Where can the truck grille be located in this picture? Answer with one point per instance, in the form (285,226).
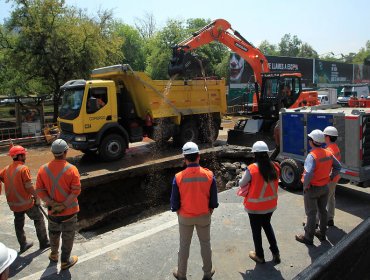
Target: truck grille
(68,127)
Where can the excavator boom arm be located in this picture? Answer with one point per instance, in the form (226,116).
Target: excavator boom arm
(220,30)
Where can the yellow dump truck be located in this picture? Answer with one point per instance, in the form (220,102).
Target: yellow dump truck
(119,106)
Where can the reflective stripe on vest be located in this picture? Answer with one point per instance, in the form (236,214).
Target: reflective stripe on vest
(332,147)
(324,162)
(261,197)
(11,186)
(55,181)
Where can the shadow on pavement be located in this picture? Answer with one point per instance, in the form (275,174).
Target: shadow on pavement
(352,201)
(262,271)
(23,261)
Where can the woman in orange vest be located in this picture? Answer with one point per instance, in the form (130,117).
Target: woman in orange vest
(261,200)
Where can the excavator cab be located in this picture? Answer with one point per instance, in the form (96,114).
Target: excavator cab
(185,64)
(279,90)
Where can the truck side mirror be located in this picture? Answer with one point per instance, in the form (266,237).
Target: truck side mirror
(92,105)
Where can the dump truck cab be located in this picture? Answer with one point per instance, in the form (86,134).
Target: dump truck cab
(88,110)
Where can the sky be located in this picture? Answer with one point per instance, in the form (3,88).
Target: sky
(338,26)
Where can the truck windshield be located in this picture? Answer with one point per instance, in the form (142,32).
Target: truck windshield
(71,103)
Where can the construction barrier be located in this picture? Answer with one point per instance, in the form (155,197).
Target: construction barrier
(349,259)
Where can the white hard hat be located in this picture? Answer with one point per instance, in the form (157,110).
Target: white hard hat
(317,136)
(59,146)
(259,146)
(190,148)
(331,131)
(7,257)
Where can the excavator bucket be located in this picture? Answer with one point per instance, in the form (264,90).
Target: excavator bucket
(185,64)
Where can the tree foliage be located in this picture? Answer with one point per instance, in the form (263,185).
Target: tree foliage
(55,43)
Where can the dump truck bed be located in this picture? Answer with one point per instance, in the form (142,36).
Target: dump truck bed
(167,98)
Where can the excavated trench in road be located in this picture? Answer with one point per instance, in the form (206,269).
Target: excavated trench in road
(121,202)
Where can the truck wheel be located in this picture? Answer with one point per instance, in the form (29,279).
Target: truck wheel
(112,147)
(188,133)
(208,131)
(291,173)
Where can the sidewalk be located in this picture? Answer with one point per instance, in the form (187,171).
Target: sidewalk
(148,249)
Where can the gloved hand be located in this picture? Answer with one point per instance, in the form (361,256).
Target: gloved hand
(57,208)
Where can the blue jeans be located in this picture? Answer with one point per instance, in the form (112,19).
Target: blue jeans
(259,221)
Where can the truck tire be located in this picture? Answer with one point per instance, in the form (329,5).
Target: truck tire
(188,133)
(112,147)
(291,173)
(208,130)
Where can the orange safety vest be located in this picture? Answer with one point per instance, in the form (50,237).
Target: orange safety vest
(57,184)
(194,186)
(323,165)
(333,147)
(18,197)
(262,196)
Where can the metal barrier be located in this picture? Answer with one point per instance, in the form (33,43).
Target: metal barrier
(349,259)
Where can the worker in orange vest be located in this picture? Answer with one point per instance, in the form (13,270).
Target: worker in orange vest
(320,167)
(193,197)
(22,198)
(331,135)
(58,185)
(261,200)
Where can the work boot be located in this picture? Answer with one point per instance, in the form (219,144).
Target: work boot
(257,259)
(302,239)
(176,275)
(72,261)
(330,223)
(276,258)
(320,235)
(25,247)
(209,276)
(53,257)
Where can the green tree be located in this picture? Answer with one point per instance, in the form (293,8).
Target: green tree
(268,49)
(56,43)
(160,48)
(133,46)
(305,50)
(289,45)
(364,53)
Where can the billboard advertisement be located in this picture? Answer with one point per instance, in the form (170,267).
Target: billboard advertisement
(329,72)
(285,64)
(361,73)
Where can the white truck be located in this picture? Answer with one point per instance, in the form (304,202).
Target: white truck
(327,96)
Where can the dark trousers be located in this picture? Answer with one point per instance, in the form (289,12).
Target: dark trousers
(315,200)
(34,214)
(62,226)
(259,221)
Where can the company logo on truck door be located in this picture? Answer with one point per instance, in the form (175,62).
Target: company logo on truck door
(97,118)
(241,47)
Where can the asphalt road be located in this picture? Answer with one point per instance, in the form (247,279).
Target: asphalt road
(148,249)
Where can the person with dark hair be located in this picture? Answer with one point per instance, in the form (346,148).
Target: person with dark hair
(320,167)
(261,200)
(331,135)
(193,197)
